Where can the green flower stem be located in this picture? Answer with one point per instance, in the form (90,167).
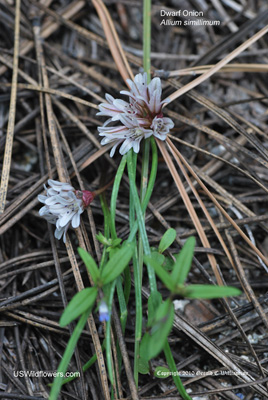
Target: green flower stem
(143,189)
(145,168)
(108,333)
(173,368)
(123,300)
(116,185)
(137,287)
(68,355)
(138,322)
(140,219)
(127,283)
(107,224)
(147,37)
(122,303)
(150,188)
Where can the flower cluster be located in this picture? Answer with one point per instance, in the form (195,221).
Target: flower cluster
(63,206)
(140,118)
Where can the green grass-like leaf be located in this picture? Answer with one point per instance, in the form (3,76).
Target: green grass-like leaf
(153,342)
(90,264)
(67,356)
(210,291)
(81,302)
(117,263)
(167,240)
(183,262)
(160,271)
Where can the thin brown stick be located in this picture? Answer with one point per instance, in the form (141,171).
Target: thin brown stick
(201,69)
(12,113)
(244,282)
(122,345)
(177,155)
(113,41)
(189,206)
(216,203)
(219,65)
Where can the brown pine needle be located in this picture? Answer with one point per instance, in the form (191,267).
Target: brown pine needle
(113,41)
(12,113)
(221,209)
(190,208)
(219,65)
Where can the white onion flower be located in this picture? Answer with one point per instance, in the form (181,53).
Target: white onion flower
(140,118)
(63,206)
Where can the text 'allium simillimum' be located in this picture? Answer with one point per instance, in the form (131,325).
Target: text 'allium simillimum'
(140,117)
(63,206)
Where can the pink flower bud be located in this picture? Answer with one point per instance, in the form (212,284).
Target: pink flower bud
(87,197)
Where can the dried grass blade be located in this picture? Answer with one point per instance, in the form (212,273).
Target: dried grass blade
(56,93)
(244,282)
(204,174)
(85,33)
(221,160)
(227,143)
(10,222)
(201,69)
(95,156)
(65,110)
(50,27)
(227,118)
(12,113)
(219,65)
(226,215)
(201,340)
(22,199)
(178,157)
(189,206)
(113,40)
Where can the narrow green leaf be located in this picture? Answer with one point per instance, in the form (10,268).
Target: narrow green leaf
(160,271)
(154,302)
(167,240)
(90,264)
(67,356)
(81,302)
(154,341)
(162,372)
(116,242)
(158,257)
(144,347)
(168,265)
(117,263)
(210,291)
(103,239)
(173,368)
(143,366)
(183,262)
